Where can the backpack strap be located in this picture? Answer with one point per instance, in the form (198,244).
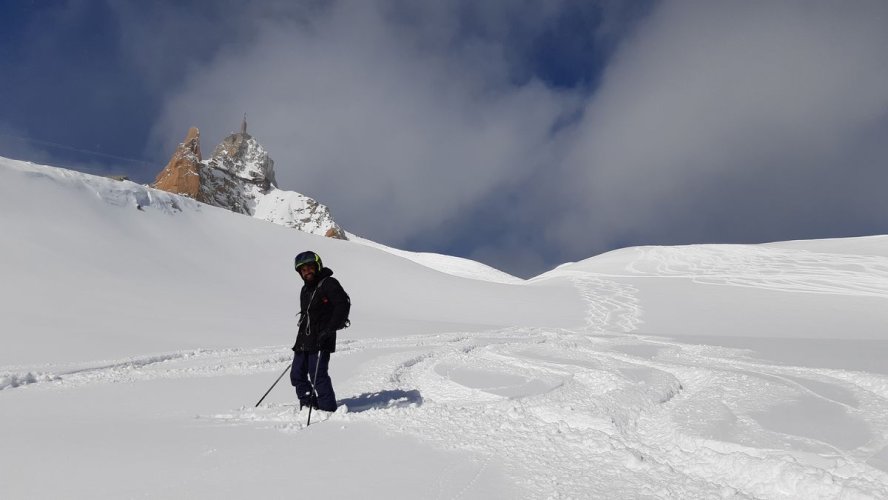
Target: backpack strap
(308,306)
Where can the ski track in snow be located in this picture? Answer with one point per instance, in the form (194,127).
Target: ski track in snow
(601,412)
(766,267)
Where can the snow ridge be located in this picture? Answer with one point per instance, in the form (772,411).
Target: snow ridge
(113,192)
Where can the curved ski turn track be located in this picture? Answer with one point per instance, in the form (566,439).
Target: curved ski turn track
(595,413)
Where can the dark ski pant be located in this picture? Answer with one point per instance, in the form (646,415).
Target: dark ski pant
(305,365)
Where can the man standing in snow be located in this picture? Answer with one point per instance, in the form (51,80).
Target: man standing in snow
(324,309)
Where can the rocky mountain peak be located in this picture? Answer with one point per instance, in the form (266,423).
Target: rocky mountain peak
(240,177)
(182,173)
(242,156)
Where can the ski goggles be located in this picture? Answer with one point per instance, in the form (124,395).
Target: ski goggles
(307,258)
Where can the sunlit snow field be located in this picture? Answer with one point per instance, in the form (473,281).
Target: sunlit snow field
(139,329)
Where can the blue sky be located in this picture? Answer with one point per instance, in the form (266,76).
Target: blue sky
(520,133)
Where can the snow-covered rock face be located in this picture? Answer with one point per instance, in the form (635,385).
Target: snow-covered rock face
(240,177)
(242,156)
(291,209)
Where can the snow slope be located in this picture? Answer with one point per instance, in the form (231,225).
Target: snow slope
(456,266)
(140,328)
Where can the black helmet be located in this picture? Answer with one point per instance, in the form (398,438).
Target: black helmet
(308,257)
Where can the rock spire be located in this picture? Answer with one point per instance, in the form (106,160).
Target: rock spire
(182,173)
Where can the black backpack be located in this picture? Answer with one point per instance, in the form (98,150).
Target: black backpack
(348,304)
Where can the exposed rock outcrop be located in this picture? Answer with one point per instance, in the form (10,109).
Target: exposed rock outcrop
(242,156)
(240,177)
(239,172)
(182,173)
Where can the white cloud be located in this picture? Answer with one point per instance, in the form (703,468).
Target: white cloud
(715,121)
(394,134)
(718,116)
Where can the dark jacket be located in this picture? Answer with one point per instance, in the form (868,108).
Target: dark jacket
(324,307)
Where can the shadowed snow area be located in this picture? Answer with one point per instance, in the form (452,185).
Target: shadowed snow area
(506,384)
(139,329)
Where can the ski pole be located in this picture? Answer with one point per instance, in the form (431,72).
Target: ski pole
(308,422)
(272,385)
(313,388)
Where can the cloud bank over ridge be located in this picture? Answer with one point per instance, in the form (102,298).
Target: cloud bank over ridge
(426,126)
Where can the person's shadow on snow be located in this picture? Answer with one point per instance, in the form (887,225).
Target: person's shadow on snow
(395,398)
